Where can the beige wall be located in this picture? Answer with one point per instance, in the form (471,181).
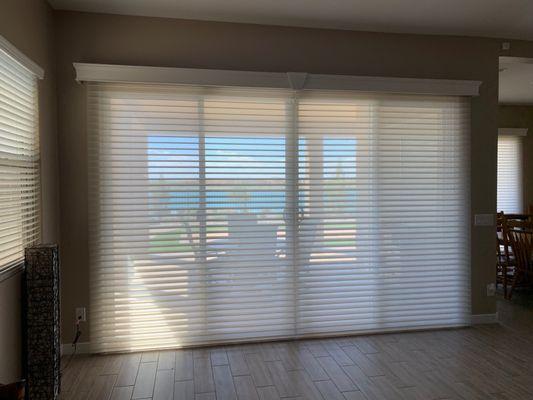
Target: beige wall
(99,38)
(28,24)
(521,117)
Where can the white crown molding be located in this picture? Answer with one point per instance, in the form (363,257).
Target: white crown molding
(183,76)
(279,80)
(444,87)
(20,57)
(512,131)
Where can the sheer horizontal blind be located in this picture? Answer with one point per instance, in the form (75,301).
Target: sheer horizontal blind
(221,215)
(510,196)
(189,234)
(19,161)
(383,237)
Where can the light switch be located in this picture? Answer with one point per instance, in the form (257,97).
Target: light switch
(484,220)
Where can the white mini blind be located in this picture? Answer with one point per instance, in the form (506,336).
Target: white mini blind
(510,196)
(19,161)
(221,215)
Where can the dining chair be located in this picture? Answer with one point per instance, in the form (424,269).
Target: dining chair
(504,259)
(520,238)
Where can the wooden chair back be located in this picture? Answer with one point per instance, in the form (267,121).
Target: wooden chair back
(520,238)
(502,247)
(504,267)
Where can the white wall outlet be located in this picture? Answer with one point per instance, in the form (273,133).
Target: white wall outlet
(484,220)
(81,314)
(491,289)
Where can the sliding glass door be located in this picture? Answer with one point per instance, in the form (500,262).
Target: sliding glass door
(222,215)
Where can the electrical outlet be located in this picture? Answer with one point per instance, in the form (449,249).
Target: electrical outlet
(81,314)
(491,289)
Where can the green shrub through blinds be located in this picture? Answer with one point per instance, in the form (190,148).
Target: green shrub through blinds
(221,215)
(19,161)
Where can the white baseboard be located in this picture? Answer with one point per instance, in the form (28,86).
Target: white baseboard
(84,347)
(68,349)
(479,319)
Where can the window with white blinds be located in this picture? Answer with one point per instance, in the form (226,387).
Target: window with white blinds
(510,174)
(222,215)
(19,161)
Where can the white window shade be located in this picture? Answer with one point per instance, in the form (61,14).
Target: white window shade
(383,237)
(19,160)
(222,215)
(510,174)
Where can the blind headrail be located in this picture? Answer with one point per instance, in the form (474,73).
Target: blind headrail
(17,55)
(277,80)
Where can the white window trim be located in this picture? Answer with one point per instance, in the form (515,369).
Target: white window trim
(280,80)
(20,57)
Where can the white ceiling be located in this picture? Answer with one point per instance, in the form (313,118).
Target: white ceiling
(491,18)
(516,80)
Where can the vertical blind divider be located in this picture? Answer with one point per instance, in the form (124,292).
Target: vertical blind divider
(202,240)
(291,157)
